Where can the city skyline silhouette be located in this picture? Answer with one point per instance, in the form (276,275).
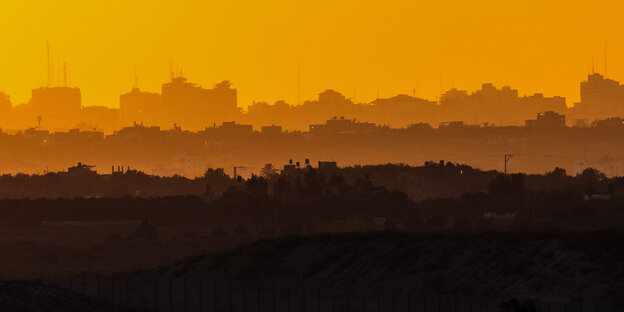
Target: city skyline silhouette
(194,107)
(264,48)
(311,156)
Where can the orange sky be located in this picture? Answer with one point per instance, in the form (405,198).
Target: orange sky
(370,47)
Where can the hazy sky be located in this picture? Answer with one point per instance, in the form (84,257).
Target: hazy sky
(354,46)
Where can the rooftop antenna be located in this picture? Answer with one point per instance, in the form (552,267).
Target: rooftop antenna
(136,79)
(593,71)
(49,69)
(171,68)
(441,84)
(64,74)
(299,85)
(605,60)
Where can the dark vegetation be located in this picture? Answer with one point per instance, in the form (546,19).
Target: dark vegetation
(433,180)
(474,233)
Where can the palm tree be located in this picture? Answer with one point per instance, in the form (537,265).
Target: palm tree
(269,171)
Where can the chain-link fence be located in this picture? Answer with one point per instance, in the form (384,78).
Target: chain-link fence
(209,294)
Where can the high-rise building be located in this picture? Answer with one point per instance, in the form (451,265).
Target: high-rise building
(600,98)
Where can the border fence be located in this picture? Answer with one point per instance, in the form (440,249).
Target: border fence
(208,294)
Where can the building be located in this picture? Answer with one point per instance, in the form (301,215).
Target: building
(139,106)
(496,106)
(192,106)
(99,117)
(271,130)
(342,125)
(547,119)
(58,107)
(181,102)
(600,98)
(81,169)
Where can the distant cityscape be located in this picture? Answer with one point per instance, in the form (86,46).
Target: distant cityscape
(192,107)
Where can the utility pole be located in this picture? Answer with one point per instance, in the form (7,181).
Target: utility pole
(235,169)
(507,159)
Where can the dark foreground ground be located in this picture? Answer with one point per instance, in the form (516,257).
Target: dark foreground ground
(361,272)
(32,297)
(583,268)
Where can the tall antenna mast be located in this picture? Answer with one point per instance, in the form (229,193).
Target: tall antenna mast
(49,65)
(593,67)
(64,74)
(605,60)
(299,85)
(171,68)
(136,79)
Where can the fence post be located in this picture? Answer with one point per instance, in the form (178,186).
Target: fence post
(393,301)
(243,296)
(409,302)
(274,297)
(113,289)
(214,295)
(156,293)
(348,300)
(318,299)
(170,294)
(200,293)
(363,301)
(229,296)
(439,302)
